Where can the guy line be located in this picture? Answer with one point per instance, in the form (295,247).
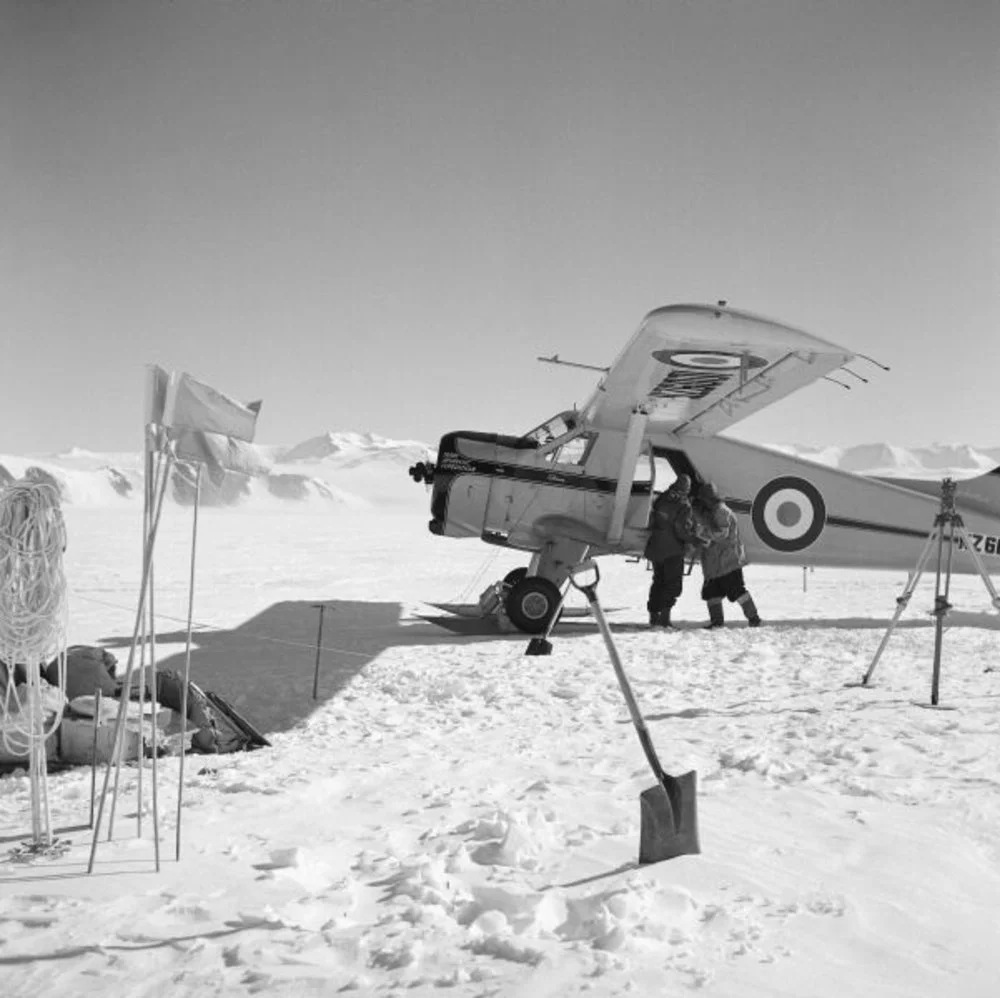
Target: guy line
(214,627)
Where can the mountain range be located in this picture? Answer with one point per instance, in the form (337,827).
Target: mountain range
(359,470)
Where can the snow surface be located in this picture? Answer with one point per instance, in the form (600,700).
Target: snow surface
(453,817)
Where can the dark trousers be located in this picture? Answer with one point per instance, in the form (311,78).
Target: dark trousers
(668,581)
(730,586)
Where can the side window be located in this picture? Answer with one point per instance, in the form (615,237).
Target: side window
(557,426)
(663,475)
(574,451)
(644,468)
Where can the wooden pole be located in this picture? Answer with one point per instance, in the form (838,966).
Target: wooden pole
(154,704)
(146,493)
(123,705)
(93,754)
(147,573)
(187,659)
(319,649)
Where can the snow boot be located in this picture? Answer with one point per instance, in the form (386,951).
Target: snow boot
(749,610)
(716,617)
(661,620)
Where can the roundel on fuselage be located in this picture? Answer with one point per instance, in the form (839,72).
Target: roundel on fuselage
(788,513)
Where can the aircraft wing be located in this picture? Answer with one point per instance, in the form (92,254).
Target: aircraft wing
(697,369)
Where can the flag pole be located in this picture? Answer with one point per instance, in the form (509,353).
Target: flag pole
(153,485)
(146,493)
(187,659)
(154,705)
(93,753)
(122,706)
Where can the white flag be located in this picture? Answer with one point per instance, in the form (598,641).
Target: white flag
(217,453)
(193,405)
(157,385)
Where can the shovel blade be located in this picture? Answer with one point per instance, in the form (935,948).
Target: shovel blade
(669,819)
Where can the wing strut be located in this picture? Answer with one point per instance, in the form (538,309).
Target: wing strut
(635,437)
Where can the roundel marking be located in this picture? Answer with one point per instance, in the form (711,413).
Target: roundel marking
(788,513)
(708,360)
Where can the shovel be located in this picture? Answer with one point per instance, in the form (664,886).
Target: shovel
(668,811)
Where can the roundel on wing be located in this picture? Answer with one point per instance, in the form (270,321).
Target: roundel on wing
(788,513)
(708,360)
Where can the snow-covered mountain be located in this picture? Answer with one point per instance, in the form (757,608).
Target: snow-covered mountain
(934,461)
(346,469)
(332,470)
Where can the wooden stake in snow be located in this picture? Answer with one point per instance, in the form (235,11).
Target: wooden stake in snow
(319,650)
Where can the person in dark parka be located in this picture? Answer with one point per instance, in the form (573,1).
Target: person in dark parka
(722,561)
(672,531)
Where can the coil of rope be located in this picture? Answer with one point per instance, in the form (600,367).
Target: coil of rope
(33,611)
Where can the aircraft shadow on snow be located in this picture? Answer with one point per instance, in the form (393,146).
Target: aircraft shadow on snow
(265,666)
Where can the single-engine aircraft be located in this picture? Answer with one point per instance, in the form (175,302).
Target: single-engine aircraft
(581,484)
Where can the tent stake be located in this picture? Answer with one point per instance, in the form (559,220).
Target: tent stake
(319,650)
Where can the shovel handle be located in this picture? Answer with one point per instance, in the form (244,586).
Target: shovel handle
(590,591)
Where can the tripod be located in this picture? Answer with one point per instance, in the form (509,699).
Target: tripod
(948,520)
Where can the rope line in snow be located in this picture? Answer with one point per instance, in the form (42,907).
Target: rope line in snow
(200,625)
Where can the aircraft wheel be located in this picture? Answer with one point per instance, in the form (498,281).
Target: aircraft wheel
(514,576)
(531,603)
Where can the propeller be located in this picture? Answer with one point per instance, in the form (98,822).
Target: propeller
(422,471)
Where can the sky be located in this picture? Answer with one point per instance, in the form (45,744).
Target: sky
(376,214)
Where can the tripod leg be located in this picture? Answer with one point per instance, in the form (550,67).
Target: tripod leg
(984,574)
(902,601)
(941,608)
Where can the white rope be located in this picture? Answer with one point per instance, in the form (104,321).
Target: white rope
(33,627)
(201,626)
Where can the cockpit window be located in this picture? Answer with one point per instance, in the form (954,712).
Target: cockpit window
(574,451)
(553,429)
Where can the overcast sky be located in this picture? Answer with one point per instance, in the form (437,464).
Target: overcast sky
(375,214)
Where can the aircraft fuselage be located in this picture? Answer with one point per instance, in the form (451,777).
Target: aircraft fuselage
(524,493)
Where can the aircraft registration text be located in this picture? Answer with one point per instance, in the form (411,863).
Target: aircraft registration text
(983,543)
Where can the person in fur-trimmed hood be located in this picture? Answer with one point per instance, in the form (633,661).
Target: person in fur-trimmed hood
(722,561)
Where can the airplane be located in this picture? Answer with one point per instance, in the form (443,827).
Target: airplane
(581,484)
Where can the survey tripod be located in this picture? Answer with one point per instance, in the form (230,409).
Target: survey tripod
(947,522)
